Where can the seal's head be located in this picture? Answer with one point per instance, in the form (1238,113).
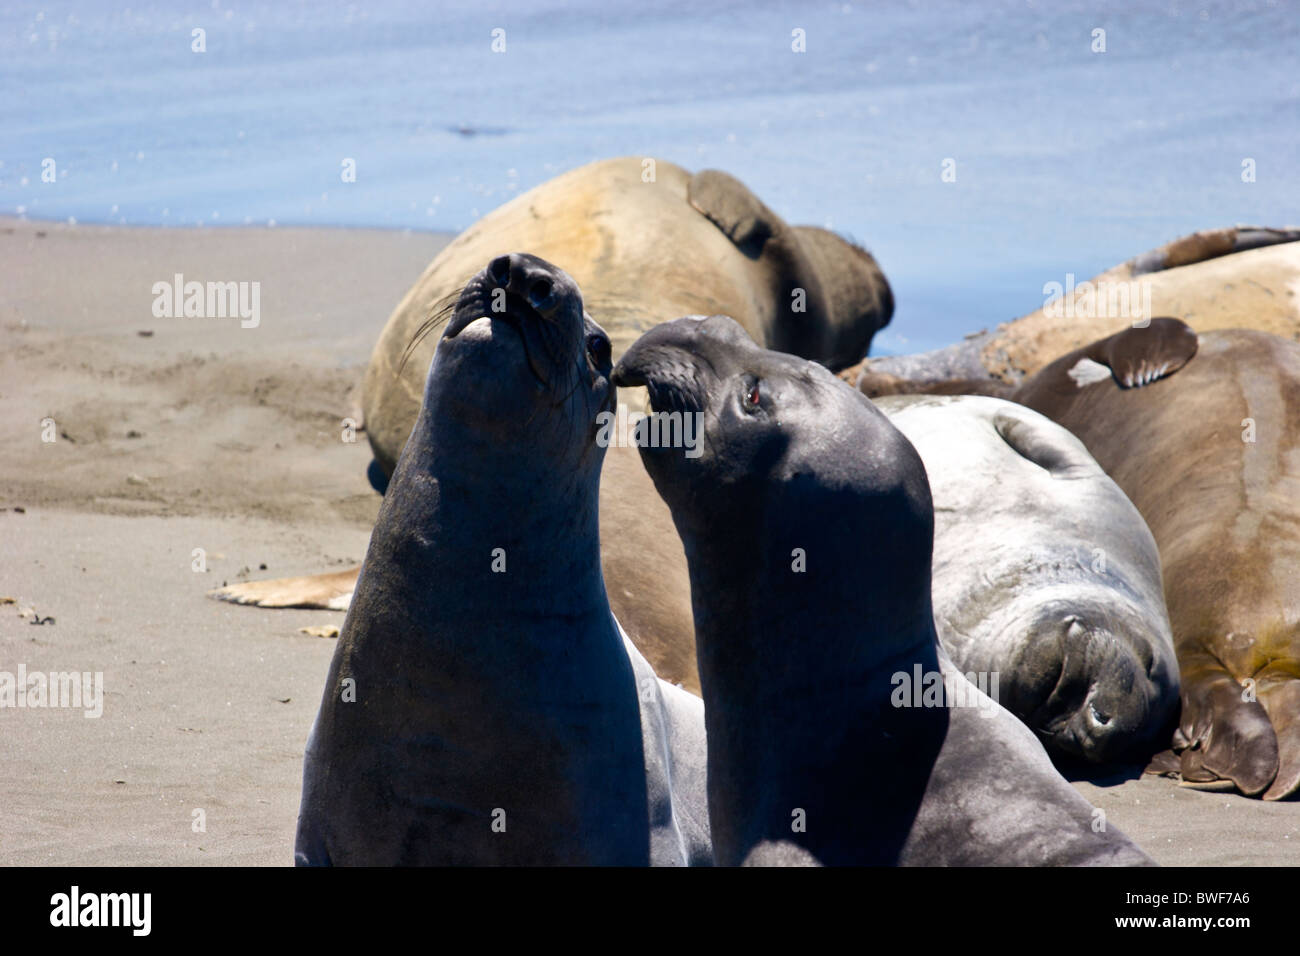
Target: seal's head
(859,300)
(1092,677)
(795,472)
(521,370)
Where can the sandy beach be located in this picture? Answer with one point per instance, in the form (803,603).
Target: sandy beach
(205,435)
(177,434)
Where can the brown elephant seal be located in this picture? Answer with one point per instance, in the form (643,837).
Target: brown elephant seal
(1215,279)
(808,527)
(643,252)
(1204,438)
(500,716)
(645,241)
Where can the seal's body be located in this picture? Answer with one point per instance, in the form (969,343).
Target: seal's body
(808,526)
(1046,581)
(1204,437)
(483,705)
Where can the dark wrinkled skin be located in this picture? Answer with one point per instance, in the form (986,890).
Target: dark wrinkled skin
(505,696)
(798,667)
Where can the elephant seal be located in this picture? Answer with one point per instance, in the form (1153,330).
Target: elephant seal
(1214,279)
(646,241)
(1045,577)
(502,716)
(807,525)
(1203,434)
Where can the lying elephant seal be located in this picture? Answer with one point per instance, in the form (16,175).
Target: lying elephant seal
(646,241)
(503,717)
(807,525)
(1216,279)
(1046,579)
(1206,442)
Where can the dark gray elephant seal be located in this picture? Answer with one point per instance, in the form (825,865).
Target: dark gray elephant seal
(483,705)
(810,741)
(1046,581)
(1203,434)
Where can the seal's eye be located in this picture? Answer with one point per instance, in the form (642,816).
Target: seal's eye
(752,397)
(598,348)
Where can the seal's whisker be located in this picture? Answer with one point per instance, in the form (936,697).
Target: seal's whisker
(569,394)
(439,314)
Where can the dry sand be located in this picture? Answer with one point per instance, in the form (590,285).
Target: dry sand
(207,435)
(239,452)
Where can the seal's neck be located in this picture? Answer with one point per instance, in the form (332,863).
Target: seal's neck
(825,617)
(480,624)
(796,669)
(494,531)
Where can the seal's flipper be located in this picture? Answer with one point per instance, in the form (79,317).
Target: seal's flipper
(727,203)
(1282,701)
(325,592)
(1223,736)
(1140,356)
(1164,764)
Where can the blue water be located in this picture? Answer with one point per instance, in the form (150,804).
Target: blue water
(1067,160)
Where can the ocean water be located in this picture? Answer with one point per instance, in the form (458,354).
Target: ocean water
(1066,158)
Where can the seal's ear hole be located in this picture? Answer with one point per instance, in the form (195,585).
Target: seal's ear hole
(1045,443)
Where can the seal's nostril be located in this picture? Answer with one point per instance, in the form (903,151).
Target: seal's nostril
(499,271)
(541,294)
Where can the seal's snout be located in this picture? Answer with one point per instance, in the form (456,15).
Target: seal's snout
(691,344)
(499,271)
(545,288)
(541,295)
(519,298)
(672,362)
(1103,705)
(661,347)
(1125,711)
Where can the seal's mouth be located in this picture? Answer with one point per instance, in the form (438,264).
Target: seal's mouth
(537,301)
(669,362)
(673,387)
(1105,704)
(469,312)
